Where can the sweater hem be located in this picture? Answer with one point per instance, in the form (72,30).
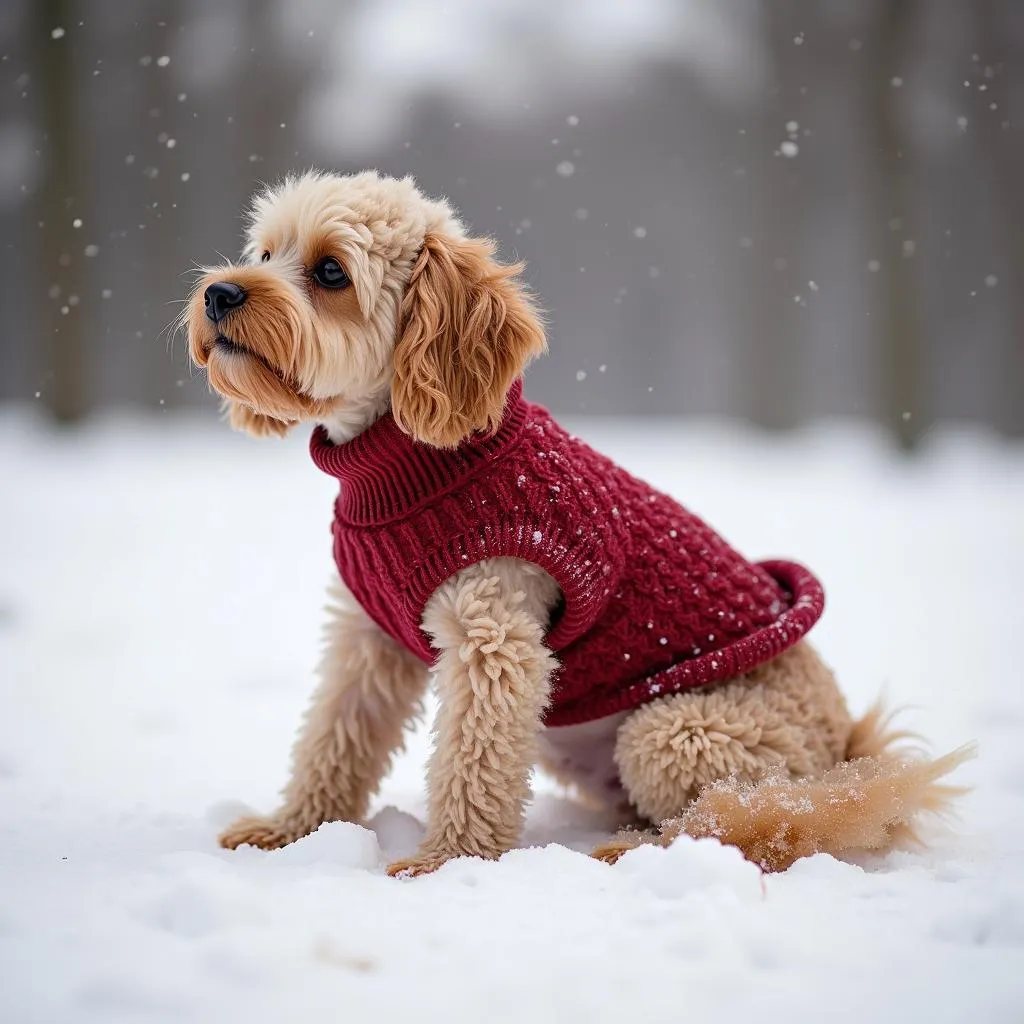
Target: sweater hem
(807,602)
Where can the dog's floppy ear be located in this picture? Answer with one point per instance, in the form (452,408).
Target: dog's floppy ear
(468,329)
(258,424)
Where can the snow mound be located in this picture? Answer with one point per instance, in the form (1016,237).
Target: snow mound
(699,870)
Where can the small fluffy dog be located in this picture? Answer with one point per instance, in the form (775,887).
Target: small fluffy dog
(574,616)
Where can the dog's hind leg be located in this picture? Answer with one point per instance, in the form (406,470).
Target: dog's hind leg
(370,687)
(772,763)
(787,714)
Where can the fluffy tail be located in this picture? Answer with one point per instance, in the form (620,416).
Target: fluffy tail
(871,801)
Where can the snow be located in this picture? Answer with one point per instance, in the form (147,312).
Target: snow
(160,591)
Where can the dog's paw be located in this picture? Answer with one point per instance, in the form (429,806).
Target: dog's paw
(626,840)
(266,833)
(610,852)
(420,864)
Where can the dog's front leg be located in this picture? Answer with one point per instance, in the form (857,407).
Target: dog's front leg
(370,687)
(493,679)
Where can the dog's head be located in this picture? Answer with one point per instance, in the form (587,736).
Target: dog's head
(354,293)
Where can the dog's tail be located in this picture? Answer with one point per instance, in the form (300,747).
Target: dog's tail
(872,801)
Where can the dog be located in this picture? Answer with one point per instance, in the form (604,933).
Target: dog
(573,616)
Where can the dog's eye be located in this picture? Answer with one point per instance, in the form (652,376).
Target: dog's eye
(329,273)
(265,256)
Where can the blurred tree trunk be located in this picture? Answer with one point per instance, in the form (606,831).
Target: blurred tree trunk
(274,87)
(58,197)
(771,371)
(1002,159)
(159,214)
(905,408)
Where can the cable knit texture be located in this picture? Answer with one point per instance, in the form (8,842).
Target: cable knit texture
(654,601)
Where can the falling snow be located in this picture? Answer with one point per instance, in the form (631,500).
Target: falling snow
(164,896)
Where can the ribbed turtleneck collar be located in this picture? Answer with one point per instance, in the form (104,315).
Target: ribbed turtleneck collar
(384,473)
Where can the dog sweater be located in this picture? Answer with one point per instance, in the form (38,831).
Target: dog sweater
(654,602)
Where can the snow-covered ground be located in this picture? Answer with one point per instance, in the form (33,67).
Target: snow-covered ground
(160,589)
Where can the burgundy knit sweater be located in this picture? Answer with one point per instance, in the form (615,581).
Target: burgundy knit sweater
(654,601)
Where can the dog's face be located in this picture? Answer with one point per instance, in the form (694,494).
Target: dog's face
(358,291)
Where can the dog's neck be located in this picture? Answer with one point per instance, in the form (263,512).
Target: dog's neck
(353,415)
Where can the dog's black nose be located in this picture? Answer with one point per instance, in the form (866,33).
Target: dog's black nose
(221,298)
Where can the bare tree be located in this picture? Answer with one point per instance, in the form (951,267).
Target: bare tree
(770,369)
(994,29)
(59,269)
(904,402)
